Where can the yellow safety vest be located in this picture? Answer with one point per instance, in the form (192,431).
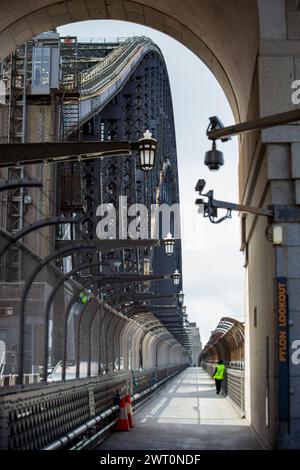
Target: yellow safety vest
(220,372)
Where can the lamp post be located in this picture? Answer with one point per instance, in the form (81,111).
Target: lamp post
(28,154)
(169,243)
(176,277)
(183,310)
(181,297)
(147,151)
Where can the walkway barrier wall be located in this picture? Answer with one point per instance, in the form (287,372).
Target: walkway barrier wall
(33,417)
(233,384)
(227,343)
(89,357)
(90,441)
(142,381)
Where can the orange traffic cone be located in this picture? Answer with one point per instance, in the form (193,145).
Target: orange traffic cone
(122,423)
(129,411)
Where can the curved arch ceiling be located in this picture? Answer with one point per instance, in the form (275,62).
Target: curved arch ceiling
(224,34)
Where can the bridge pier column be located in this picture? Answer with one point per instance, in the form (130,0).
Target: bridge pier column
(270,175)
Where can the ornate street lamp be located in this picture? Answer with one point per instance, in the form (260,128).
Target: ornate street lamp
(169,243)
(181,297)
(147,150)
(176,277)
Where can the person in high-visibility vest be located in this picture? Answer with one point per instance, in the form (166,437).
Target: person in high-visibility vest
(83,298)
(219,375)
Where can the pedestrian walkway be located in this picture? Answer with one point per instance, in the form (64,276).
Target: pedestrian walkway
(188,415)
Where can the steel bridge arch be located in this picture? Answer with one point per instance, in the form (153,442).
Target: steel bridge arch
(194,24)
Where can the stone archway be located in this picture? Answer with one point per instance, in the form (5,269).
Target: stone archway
(252,48)
(223,34)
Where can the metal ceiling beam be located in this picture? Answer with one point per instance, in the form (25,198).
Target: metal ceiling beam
(108,245)
(26,154)
(20,183)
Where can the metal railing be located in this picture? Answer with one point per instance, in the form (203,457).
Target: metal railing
(38,416)
(95,76)
(234,387)
(100,82)
(106,40)
(233,384)
(96,430)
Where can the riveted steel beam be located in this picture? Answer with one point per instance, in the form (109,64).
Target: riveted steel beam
(108,245)
(27,154)
(20,183)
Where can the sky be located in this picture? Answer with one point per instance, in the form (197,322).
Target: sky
(213,273)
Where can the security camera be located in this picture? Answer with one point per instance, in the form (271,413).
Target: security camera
(199,202)
(214,158)
(201,206)
(200,186)
(216,123)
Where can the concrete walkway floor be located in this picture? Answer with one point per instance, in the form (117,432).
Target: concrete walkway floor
(188,415)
